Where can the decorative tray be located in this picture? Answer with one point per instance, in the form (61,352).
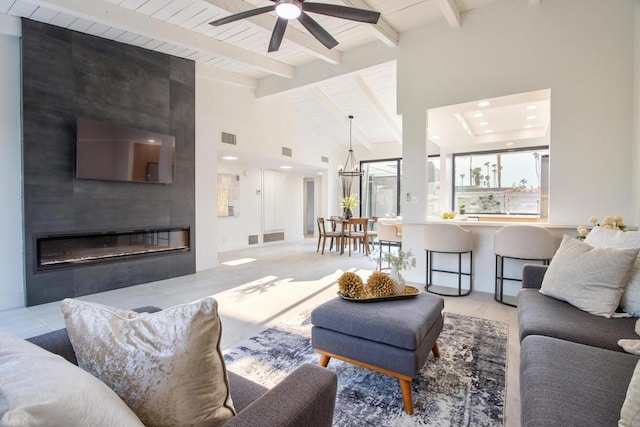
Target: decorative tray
(409,292)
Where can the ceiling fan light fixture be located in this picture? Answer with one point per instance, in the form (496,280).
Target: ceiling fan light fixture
(288,9)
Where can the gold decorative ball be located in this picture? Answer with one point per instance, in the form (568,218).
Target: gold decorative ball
(379,285)
(351,286)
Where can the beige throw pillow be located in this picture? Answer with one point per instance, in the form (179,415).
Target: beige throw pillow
(39,388)
(601,237)
(630,412)
(591,279)
(166,366)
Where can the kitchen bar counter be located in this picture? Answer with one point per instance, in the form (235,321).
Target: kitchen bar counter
(483,254)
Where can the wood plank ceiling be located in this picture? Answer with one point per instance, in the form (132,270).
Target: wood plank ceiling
(237,52)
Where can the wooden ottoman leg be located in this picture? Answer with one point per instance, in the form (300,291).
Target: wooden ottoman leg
(324,360)
(405,386)
(436,350)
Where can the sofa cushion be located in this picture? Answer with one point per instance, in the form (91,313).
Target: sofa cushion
(630,413)
(592,279)
(39,388)
(542,315)
(166,366)
(601,237)
(568,384)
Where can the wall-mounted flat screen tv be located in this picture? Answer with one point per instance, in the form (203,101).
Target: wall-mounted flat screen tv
(107,151)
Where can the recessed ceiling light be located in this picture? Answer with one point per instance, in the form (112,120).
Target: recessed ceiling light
(528,126)
(152,140)
(435,137)
(286,167)
(532,107)
(319,173)
(532,117)
(488,131)
(484,123)
(484,104)
(476,115)
(509,144)
(229,158)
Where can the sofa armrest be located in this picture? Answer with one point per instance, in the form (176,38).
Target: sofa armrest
(306,397)
(532,276)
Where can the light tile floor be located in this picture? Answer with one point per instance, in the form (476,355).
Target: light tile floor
(259,287)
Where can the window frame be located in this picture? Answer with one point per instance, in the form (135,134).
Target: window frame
(488,152)
(398,161)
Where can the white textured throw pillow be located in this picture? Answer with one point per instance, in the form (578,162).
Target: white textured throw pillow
(591,279)
(166,366)
(601,237)
(39,388)
(630,412)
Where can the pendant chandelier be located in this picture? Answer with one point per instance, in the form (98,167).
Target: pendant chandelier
(351,167)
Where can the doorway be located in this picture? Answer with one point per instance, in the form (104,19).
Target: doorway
(309,207)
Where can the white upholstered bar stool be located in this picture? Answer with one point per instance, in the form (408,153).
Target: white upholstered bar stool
(449,239)
(389,232)
(520,242)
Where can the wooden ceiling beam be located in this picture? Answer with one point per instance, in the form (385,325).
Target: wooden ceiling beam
(451,12)
(383,30)
(373,99)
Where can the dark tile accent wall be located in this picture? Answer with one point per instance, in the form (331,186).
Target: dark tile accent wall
(68,74)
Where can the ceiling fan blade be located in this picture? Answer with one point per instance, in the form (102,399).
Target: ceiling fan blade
(317,31)
(243,15)
(277,35)
(344,12)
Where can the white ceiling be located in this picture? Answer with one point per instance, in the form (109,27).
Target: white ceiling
(237,52)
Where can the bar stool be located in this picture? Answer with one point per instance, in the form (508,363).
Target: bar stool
(389,232)
(448,239)
(520,242)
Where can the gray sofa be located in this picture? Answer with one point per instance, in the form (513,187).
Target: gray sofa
(572,371)
(306,397)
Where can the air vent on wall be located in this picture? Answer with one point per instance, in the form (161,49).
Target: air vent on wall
(325,159)
(286,151)
(273,237)
(228,138)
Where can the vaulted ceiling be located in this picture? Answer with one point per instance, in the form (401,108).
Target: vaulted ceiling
(344,83)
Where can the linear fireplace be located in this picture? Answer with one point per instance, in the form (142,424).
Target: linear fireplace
(58,251)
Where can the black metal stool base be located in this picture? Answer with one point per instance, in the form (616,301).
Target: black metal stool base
(499,285)
(459,273)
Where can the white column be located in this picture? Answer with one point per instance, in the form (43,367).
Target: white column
(12,246)
(414,168)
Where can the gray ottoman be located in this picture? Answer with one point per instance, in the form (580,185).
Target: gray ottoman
(392,337)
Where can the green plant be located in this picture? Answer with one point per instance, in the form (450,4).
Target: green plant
(463,206)
(400,261)
(350,202)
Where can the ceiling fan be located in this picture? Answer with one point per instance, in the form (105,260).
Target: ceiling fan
(296,9)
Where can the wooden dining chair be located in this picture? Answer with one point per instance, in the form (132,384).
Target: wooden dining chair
(324,234)
(358,233)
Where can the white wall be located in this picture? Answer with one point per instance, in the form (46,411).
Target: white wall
(12,246)
(262,127)
(508,47)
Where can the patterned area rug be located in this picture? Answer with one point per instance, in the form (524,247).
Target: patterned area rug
(464,387)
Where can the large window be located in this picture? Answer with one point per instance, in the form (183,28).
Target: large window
(380,193)
(499,182)
(433,184)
